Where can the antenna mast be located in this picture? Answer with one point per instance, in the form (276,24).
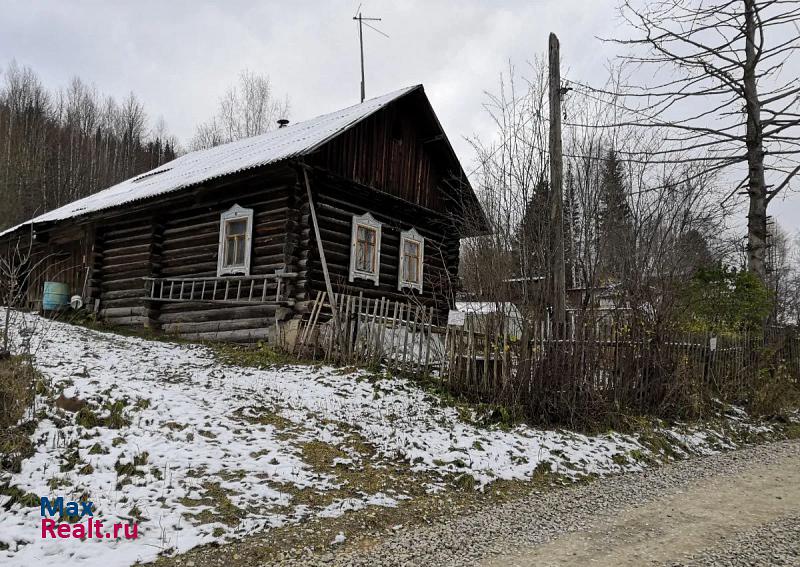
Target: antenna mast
(361,23)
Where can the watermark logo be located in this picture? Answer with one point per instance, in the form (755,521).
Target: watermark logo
(75,519)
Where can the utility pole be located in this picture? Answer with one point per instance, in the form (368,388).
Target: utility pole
(556,268)
(361,23)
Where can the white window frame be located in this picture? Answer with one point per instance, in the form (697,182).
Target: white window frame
(368,221)
(414,236)
(235,213)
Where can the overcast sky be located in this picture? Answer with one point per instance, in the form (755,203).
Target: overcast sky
(180,56)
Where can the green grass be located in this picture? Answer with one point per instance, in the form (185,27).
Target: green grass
(222,509)
(115,419)
(793,431)
(261,356)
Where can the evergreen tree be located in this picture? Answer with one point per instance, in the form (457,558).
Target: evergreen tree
(531,242)
(615,232)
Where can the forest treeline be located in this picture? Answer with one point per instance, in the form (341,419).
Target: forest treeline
(60,145)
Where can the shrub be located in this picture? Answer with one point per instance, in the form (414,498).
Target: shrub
(775,394)
(725,301)
(17,387)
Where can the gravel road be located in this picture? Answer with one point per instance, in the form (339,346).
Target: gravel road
(738,508)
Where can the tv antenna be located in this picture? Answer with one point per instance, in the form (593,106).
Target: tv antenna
(364,21)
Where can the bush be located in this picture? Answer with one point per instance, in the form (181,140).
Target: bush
(725,301)
(17,386)
(16,389)
(775,394)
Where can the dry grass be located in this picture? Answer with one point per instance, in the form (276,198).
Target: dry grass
(18,383)
(776,394)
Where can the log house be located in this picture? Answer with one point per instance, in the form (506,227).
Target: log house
(220,244)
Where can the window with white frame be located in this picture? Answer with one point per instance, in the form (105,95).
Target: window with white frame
(412,255)
(235,234)
(365,248)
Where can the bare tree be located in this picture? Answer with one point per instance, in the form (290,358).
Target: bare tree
(633,221)
(59,146)
(783,274)
(718,93)
(248,108)
(512,172)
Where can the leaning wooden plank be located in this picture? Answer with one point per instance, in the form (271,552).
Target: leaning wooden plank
(321,251)
(311,337)
(304,336)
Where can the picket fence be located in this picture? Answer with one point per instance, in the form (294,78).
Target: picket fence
(595,365)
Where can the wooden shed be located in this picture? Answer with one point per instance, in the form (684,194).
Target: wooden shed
(221,243)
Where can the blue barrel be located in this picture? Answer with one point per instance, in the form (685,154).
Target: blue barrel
(56,296)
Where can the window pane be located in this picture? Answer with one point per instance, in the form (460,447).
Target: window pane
(365,249)
(230,252)
(240,251)
(235,239)
(412,270)
(411,261)
(237,227)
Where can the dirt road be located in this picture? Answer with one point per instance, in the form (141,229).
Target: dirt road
(678,526)
(737,508)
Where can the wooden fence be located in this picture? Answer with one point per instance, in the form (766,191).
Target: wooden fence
(591,369)
(401,335)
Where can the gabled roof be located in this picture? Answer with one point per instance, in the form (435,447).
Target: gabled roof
(191,169)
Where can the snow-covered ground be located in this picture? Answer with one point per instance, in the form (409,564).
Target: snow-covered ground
(210,451)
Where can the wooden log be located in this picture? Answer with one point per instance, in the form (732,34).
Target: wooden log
(114,245)
(125,321)
(244,335)
(123,283)
(122,294)
(123,251)
(125,302)
(180,229)
(118,270)
(123,233)
(191,240)
(217,326)
(109,312)
(201,312)
(211,248)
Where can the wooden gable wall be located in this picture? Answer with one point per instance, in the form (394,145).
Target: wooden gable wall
(393,151)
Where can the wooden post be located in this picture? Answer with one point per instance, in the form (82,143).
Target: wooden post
(321,250)
(390,359)
(556,271)
(428,345)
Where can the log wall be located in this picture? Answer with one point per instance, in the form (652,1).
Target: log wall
(122,258)
(337,200)
(190,242)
